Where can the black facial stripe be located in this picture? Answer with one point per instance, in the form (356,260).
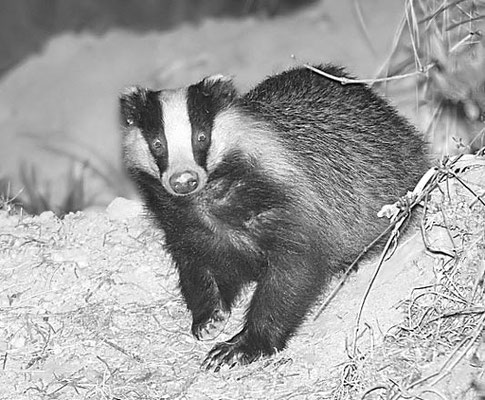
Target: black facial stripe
(150,122)
(204,101)
(152,127)
(142,108)
(151,116)
(201,117)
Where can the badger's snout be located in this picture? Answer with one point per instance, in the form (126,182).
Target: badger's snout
(185,182)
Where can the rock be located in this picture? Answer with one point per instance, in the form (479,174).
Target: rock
(121,209)
(46,216)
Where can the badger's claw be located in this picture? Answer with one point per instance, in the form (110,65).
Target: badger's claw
(212,327)
(231,353)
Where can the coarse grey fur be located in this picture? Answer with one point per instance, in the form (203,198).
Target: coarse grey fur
(294,173)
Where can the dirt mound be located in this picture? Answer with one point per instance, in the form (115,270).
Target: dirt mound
(90,309)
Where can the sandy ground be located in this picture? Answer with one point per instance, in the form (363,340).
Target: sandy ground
(90,309)
(98,286)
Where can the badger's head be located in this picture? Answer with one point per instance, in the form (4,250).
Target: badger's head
(168,133)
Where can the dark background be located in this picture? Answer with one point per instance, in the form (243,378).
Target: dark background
(26,24)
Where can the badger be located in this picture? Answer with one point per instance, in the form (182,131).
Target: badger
(279,186)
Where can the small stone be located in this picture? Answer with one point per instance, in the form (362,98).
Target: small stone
(121,209)
(47,216)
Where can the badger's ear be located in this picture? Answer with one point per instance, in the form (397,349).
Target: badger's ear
(219,88)
(218,78)
(132,101)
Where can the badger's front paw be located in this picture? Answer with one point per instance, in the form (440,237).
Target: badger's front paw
(211,327)
(235,351)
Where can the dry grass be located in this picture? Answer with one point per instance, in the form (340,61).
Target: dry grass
(438,348)
(442,41)
(440,45)
(87,174)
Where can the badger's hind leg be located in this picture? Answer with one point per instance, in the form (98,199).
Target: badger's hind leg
(280,303)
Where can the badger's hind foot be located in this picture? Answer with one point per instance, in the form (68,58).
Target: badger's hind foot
(235,351)
(212,327)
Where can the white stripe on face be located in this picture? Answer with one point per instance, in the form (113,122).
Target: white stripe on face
(177,128)
(178,135)
(136,153)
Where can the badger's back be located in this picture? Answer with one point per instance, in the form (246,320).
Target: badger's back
(354,150)
(336,125)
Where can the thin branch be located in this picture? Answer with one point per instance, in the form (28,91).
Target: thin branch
(349,81)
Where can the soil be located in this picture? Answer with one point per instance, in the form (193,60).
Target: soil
(90,309)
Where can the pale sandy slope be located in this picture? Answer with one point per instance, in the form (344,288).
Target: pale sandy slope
(90,309)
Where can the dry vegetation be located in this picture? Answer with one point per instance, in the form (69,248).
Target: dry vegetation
(437,351)
(442,44)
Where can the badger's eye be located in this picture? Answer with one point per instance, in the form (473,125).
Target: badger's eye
(157,145)
(201,137)
(130,121)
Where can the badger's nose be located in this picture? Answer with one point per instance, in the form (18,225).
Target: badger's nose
(184,182)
